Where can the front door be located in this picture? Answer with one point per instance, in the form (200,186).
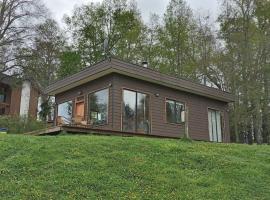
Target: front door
(79,111)
(214,121)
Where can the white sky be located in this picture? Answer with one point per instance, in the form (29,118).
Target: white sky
(60,7)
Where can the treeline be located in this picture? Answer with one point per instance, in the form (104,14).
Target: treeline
(234,57)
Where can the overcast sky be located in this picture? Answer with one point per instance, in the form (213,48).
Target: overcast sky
(60,7)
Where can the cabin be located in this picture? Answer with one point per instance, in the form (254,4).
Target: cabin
(18,98)
(114,96)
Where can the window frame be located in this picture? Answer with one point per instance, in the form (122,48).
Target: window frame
(150,109)
(165,114)
(88,107)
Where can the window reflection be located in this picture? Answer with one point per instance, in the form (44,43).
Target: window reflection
(142,113)
(174,111)
(129,111)
(65,112)
(98,104)
(135,116)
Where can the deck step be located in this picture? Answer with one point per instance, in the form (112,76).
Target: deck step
(46,131)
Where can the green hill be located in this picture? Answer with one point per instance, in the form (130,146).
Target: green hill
(110,167)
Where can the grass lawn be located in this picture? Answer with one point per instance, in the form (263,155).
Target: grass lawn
(110,167)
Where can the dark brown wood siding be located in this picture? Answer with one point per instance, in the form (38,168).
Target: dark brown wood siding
(15,101)
(33,106)
(85,89)
(197,106)
(197,109)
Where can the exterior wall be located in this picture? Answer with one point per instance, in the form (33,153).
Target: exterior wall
(84,90)
(197,106)
(33,107)
(15,101)
(22,100)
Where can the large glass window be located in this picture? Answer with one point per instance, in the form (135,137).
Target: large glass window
(135,117)
(174,111)
(98,107)
(65,112)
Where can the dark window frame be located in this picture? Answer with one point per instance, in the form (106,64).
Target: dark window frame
(89,106)
(175,102)
(136,105)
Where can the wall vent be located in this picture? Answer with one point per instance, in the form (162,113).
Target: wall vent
(145,64)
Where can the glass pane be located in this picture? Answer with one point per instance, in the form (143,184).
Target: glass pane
(179,108)
(129,111)
(219,136)
(143,122)
(2,98)
(170,111)
(2,95)
(65,112)
(214,126)
(210,125)
(214,120)
(98,102)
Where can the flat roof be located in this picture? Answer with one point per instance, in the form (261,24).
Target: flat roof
(114,65)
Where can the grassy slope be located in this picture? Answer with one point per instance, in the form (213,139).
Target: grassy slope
(108,167)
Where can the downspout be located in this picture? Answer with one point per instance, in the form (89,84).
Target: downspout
(186,123)
(112,104)
(55,114)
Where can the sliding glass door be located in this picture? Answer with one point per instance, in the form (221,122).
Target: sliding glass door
(142,119)
(214,121)
(129,111)
(135,112)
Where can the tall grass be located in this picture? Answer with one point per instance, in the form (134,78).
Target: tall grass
(19,125)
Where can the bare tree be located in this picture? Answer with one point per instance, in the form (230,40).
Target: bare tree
(17,18)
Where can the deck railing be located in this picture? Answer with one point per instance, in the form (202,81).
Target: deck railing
(61,120)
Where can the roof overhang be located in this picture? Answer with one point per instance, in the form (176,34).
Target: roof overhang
(120,67)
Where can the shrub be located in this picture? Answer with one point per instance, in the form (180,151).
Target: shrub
(18,125)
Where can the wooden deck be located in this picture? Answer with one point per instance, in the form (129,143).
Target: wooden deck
(82,129)
(48,131)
